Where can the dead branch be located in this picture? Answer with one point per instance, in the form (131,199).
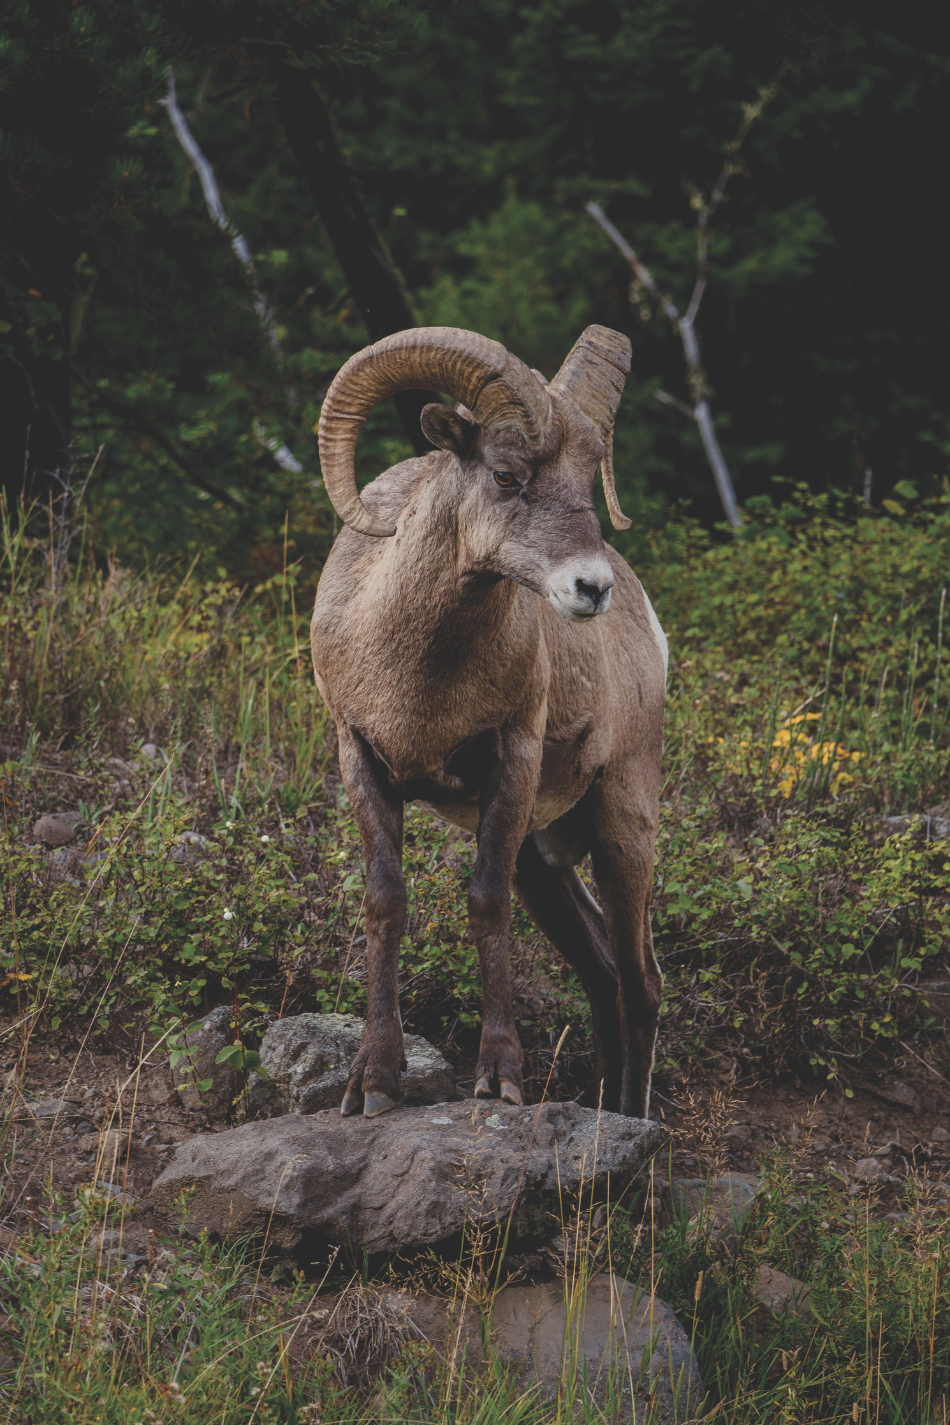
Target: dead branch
(209,186)
(685,324)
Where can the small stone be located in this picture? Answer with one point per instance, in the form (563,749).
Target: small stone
(188,846)
(213,1034)
(66,865)
(902,1094)
(721,1203)
(866,1170)
(780,1294)
(151,752)
(307,1060)
(939,1135)
(42,1108)
(934,1001)
(56,828)
(114,1146)
(114,1190)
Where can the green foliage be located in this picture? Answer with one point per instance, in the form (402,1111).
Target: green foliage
(124,309)
(793,926)
(213,1332)
(819,935)
(484,147)
(801,564)
(198,1336)
(873,1334)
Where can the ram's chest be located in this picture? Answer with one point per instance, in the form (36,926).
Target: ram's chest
(430,713)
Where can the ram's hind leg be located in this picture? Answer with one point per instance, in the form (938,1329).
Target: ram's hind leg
(622,856)
(373,1084)
(558,901)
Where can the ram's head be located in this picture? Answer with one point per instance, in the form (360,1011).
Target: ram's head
(525,453)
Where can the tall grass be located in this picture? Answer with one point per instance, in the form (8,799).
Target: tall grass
(185,1330)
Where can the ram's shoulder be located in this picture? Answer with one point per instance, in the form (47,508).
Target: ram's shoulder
(388,493)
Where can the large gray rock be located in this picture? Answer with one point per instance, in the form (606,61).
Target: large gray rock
(307,1059)
(409,1178)
(626,1344)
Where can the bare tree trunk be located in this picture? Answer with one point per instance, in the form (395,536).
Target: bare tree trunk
(373,278)
(720,470)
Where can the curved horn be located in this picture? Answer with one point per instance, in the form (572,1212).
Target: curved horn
(592,378)
(617,517)
(496,387)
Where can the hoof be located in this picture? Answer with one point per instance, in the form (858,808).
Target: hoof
(352,1103)
(483,1087)
(377,1103)
(511,1093)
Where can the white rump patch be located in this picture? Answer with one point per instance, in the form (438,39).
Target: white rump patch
(658,634)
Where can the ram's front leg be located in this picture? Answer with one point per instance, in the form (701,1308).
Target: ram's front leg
(373,1084)
(507,805)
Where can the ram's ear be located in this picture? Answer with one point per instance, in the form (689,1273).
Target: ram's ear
(448,430)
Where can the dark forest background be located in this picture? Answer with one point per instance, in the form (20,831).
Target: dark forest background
(431,162)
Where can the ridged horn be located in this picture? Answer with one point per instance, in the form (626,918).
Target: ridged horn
(592,378)
(498,389)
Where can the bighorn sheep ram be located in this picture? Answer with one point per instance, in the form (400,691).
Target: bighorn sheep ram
(482,651)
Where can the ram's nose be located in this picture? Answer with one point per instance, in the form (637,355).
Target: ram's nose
(595,591)
(582,592)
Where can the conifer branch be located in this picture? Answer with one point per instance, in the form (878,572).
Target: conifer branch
(147,427)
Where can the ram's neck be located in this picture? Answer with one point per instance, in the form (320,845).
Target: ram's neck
(417,649)
(440,610)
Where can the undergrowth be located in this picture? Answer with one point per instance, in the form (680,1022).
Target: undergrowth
(808,702)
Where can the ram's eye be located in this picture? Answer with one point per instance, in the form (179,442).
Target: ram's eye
(505,479)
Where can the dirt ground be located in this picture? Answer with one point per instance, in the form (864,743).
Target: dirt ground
(83,1115)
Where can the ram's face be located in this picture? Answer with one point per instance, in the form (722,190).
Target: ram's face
(532,519)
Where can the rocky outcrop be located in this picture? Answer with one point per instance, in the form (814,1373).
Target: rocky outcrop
(307,1059)
(410,1178)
